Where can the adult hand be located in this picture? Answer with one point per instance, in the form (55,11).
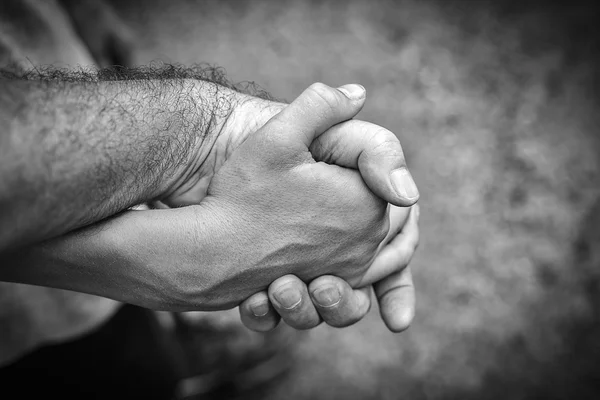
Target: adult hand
(374,151)
(332,300)
(336,198)
(317,219)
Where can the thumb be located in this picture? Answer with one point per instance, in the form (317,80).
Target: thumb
(376,153)
(319,108)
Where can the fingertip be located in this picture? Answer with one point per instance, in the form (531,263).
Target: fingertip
(286,292)
(382,165)
(257,313)
(290,298)
(258,304)
(327,296)
(346,307)
(326,291)
(399,321)
(397,310)
(404,187)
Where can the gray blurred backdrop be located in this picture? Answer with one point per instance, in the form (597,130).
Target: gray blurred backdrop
(495,105)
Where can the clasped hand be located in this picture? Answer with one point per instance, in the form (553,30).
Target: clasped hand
(290,213)
(305,199)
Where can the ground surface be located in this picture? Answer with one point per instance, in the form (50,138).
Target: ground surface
(496,109)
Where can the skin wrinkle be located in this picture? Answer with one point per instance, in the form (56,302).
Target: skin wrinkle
(285,236)
(59,98)
(166,127)
(223,108)
(281,267)
(276,263)
(233,141)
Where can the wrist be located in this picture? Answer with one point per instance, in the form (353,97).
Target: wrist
(197,111)
(251,114)
(227,118)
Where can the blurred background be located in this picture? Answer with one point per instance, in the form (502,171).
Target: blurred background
(495,104)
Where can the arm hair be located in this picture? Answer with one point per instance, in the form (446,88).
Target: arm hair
(77,146)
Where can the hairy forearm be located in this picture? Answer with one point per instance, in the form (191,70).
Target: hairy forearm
(76,148)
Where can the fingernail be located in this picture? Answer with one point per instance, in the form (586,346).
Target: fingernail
(327,296)
(288,297)
(260,308)
(353,91)
(404,184)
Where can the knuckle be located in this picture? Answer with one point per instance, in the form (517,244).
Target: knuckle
(321,152)
(321,282)
(319,87)
(285,280)
(384,143)
(324,94)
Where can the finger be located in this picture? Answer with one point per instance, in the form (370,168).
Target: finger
(375,152)
(338,304)
(396,297)
(290,298)
(396,255)
(398,216)
(257,313)
(318,108)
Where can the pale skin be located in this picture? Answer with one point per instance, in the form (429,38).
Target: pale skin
(294,220)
